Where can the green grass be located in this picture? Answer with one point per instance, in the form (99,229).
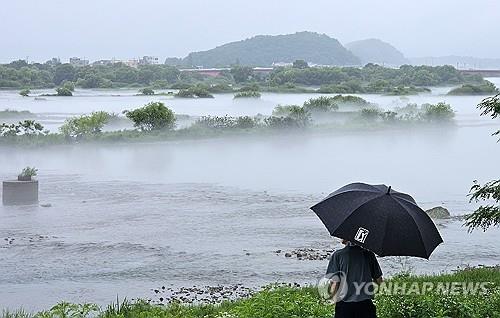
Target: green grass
(304,302)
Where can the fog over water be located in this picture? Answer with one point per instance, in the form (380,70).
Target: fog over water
(126,218)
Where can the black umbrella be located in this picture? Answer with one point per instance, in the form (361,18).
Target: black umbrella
(382,220)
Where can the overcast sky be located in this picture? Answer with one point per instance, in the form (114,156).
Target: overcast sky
(95,29)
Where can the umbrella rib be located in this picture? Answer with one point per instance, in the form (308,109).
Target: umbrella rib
(359,207)
(418,229)
(400,198)
(335,193)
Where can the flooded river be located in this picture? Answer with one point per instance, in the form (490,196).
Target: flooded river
(126,218)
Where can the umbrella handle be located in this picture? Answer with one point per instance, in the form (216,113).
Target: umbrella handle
(389,190)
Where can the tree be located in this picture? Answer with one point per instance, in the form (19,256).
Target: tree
(321,104)
(489,214)
(241,73)
(69,86)
(152,116)
(23,128)
(300,115)
(438,112)
(85,125)
(63,91)
(64,72)
(300,64)
(147,91)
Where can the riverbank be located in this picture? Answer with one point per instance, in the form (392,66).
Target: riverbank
(444,295)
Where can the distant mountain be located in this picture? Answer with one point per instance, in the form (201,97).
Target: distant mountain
(460,62)
(377,51)
(264,50)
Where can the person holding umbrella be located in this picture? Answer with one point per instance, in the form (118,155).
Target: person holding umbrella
(351,271)
(370,219)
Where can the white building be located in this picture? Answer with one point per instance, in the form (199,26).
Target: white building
(149,60)
(76,61)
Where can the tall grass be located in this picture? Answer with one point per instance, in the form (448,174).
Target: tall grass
(283,301)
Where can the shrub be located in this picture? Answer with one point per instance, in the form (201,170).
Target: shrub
(254,87)
(226,122)
(246,122)
(437,112)
(147,91)
(63,91)
(22,128)
(350,100)
(28,172)
(198,91)
(321,104)
(282,110)
(281,122)
(247,94)
(69,85)
(370,114)
(24,92)
(152,116)
(85,125)
(485,88)
(216,122)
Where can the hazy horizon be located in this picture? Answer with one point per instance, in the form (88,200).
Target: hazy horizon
(129,29)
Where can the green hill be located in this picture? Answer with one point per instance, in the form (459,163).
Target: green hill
(264,50)
(377,51)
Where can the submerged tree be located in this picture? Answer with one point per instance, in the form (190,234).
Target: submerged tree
(24,92)
(85,125)
(486,215)
(300,64)
(152,116)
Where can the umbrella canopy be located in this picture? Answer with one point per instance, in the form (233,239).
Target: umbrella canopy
(382,220)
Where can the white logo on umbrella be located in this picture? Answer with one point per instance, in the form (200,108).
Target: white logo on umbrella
(361,235)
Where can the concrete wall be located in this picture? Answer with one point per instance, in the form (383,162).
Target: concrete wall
(20,192)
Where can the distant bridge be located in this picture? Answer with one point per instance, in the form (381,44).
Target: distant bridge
(483,73)
(214,72)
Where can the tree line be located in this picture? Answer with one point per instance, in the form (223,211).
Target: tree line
(371,78)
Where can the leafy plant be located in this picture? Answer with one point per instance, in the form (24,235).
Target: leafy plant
(321,104)
(147,91)
(152,116)
(198,91)
(69,85)
(29,172)
(68,310)
(24,92)
(438,112)
(22,128)
(247,94)
(85,125)
(64,91)
(370,114)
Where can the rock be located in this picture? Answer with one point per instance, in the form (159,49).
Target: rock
(438,213)
(46,205)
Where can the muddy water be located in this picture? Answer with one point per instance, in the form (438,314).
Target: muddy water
(128,218)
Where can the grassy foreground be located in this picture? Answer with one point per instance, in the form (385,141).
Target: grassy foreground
(298,302)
